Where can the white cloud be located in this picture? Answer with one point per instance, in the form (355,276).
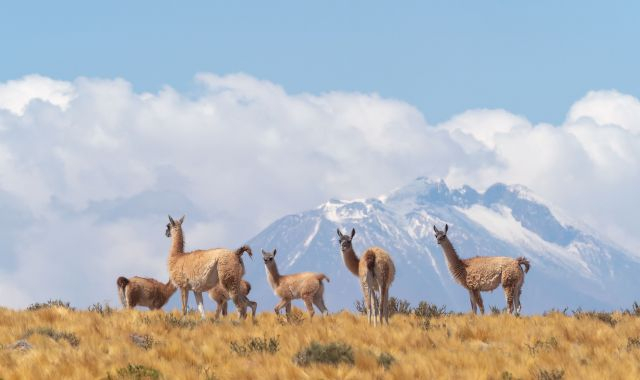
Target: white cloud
(99,166)
(608,107)
(15,95)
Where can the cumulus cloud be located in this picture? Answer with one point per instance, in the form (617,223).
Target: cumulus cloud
(96,167)
(16,94)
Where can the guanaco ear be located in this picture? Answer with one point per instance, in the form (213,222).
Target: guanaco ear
(339,233)
(173,223)
(274,251)
(181,219)
(446,228)
(435,229)
(353,232)
(264,253)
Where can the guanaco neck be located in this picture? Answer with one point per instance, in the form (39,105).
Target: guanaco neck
(177,241)
(456,266)
(273,276)
(177,246)
(351,260)
(169,289)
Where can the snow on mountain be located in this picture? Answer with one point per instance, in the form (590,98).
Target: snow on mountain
(571,267)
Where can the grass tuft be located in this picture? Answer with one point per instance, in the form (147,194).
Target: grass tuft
(399,306)
(171,321)
(360,306)
(539,345)
(386,360)
(252,345)
(73,340)
(143,341)
(552,374)
(506,375)
(635,310)
(601,316)
(49,304)
(633,343)
(555,311)
(427,310)
(103,310)
(331,353)
(137,372)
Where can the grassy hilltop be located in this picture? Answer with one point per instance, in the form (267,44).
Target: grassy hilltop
(105,343)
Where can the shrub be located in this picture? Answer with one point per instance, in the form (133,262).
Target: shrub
(49,304)
(396,306)
(73,340)
(633,343)
(635,310)
(360,306)
(555,311)
(427,310)
(602,316)
(100,309)
(549,344)
(251,345)
(136,371)
(184,323)
(386,360)
(495,310)
(143,341)
(332,353)
(399,306)
(553,374)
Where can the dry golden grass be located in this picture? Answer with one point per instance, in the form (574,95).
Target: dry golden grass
(448,347)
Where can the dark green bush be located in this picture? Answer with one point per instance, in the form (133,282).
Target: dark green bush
(399,306)
(386,360)
(137,372)
(427,310)
(331,353)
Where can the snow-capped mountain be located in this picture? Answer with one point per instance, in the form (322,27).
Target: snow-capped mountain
(570,266)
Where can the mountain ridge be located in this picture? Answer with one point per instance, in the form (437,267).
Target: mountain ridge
(570,266)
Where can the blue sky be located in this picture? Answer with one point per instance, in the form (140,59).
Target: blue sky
(534,58)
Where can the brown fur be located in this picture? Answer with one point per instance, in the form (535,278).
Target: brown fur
(202,270)
(221,296)
(140,291)
(306,286)
(485,273)
(376,272)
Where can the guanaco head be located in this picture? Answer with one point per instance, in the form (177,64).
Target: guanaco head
(345,240)
(441,235)
(268,257)
(172,225)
